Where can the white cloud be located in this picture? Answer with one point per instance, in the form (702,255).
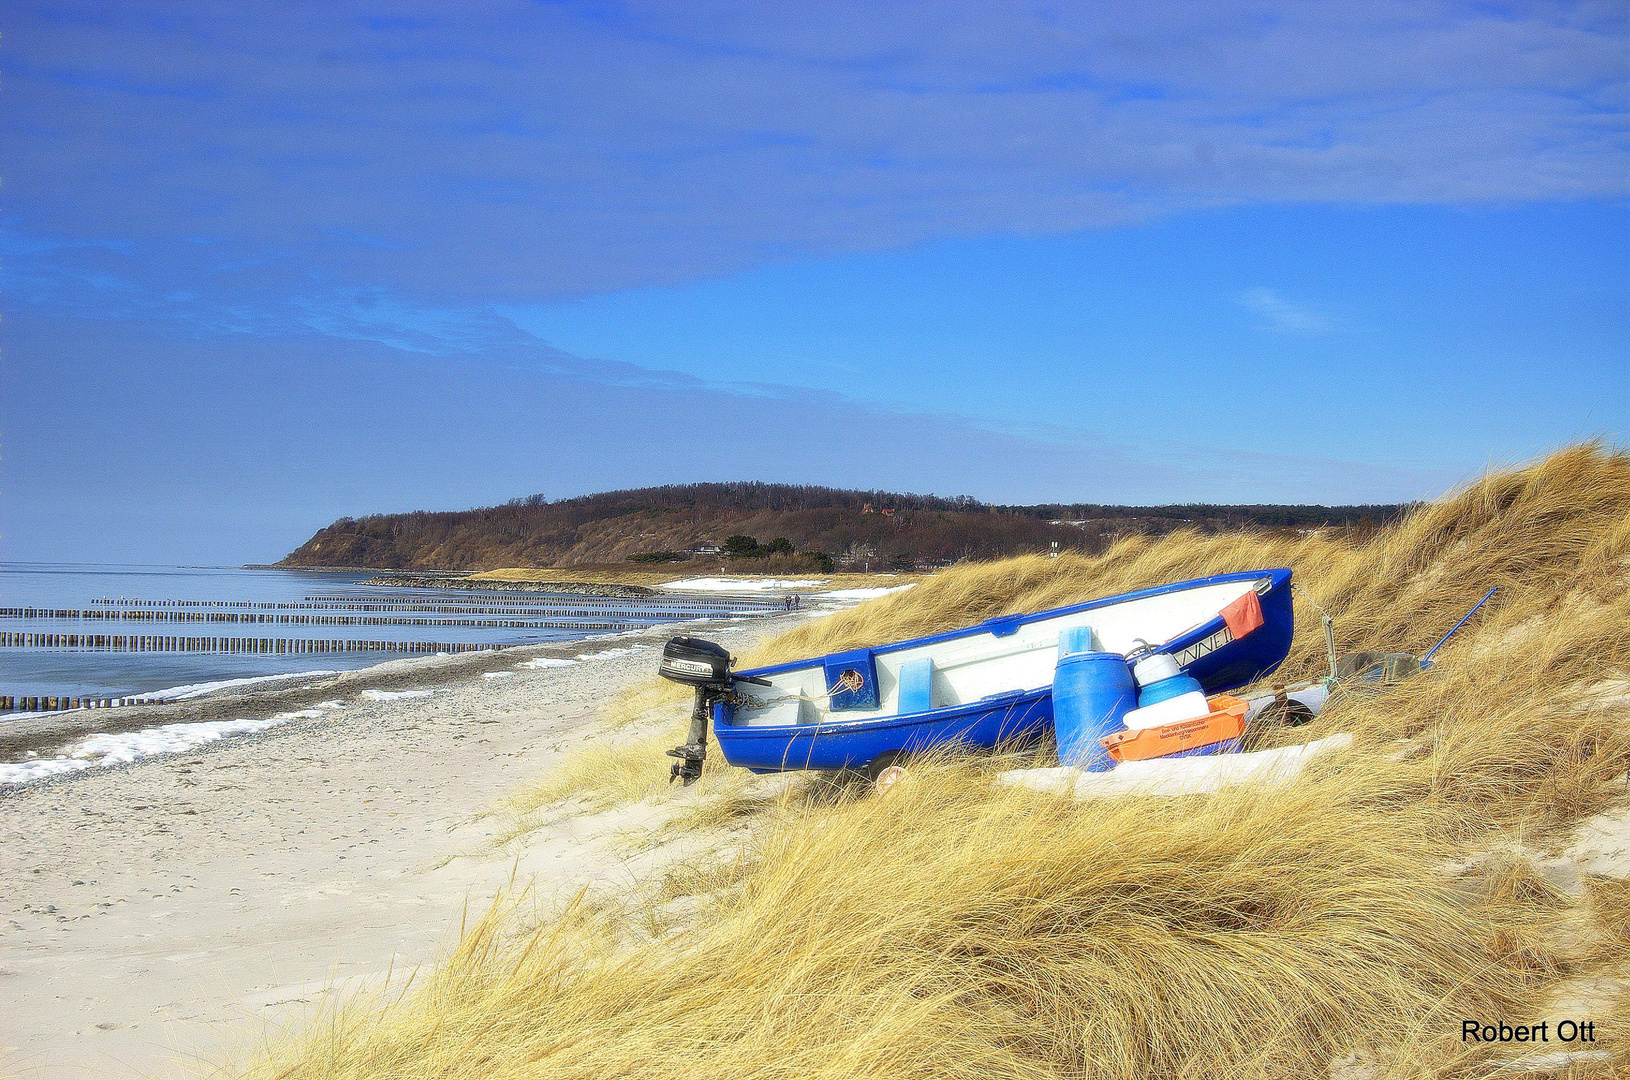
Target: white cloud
(1284,315)
(530,151)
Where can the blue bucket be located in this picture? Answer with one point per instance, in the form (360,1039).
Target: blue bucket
(1091,692)
(1166,689)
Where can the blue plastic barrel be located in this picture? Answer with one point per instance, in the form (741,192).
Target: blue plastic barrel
(1091,692)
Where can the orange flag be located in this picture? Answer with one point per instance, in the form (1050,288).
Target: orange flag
(1243,615)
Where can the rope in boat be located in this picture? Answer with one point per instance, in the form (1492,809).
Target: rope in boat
(850,681)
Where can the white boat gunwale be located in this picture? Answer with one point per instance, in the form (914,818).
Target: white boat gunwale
(1022,670)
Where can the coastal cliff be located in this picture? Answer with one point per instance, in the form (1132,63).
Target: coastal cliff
(781,526)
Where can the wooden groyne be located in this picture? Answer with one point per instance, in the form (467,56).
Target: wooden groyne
(443,581)
(494,604)
(666,600)
(283,619)
(584,612)
(173,643)
(641,611)
(54,703)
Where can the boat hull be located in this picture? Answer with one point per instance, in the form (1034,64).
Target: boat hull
(1208,652)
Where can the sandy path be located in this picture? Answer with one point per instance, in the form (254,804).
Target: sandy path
(155,919)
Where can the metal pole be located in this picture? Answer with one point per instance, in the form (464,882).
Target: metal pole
(1459,624)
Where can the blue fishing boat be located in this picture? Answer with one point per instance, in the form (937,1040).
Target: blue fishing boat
(981,686)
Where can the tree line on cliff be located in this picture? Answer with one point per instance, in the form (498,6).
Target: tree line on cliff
(791,523)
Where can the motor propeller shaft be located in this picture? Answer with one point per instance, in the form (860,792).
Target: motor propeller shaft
(694,751)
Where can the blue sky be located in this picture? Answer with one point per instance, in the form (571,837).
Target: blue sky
(269,265)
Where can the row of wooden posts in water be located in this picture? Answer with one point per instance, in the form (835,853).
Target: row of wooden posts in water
(655,608)
(694,600)
(171,643)
(667,609)
(285,619)
(17,703)
(659,601)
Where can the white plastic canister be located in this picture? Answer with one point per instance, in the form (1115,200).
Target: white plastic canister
(1155,667)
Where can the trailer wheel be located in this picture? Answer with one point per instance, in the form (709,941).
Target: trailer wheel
(882,761)
(1290,713)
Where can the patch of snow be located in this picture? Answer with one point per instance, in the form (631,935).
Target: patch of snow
(314,713)
(547,661)
(182,693)
(393,695)
(102,750)
(863,594)
(715,584)
(24,771)
(1179,776)
(496,674)
(607,654)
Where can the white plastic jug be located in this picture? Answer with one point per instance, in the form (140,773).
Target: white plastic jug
(1154,668)
(1189,706)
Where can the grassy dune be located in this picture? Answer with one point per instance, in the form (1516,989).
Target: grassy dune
(957,928)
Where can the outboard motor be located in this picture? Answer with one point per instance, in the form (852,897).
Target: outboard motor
(705,666)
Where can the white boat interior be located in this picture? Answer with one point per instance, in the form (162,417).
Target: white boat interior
(974,666)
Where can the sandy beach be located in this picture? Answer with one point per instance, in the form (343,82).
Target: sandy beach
(160,917)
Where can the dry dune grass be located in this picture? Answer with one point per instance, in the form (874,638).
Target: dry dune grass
(1553,536)
(1560,525)
(1531,736)
(958,928)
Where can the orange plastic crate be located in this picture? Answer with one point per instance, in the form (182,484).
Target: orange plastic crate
(1226,721)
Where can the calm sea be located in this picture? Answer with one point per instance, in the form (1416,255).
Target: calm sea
(199,624)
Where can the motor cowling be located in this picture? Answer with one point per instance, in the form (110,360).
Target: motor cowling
(695,662)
